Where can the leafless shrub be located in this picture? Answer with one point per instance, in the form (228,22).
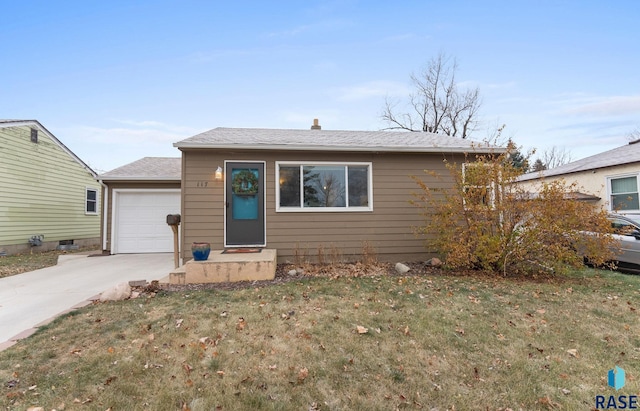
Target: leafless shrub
(321,255)
(369,254)
(335,254)
(300,256)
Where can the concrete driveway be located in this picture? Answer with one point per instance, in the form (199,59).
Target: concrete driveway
(29,299)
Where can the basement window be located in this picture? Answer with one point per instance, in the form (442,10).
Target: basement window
(91,201)
(323,186)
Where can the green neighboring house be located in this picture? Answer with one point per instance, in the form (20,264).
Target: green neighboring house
(49,198)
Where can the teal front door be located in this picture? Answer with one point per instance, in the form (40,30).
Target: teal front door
(244,201)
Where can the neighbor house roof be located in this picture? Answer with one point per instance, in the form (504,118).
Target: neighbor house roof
(626,154)
(332,140)
(147,169)
(4,123)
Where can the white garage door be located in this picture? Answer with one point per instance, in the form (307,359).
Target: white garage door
(141,221)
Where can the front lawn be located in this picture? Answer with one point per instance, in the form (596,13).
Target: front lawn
(22,263)
(439,341)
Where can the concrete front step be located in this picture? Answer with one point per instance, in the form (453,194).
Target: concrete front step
(229,267)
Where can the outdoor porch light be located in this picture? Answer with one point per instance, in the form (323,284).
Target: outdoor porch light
(218,174)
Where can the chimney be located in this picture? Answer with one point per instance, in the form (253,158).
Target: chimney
(315,125)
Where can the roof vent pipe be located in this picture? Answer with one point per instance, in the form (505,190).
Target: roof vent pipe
(315,125)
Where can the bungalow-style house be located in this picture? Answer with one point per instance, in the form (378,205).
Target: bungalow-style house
(137,198)
(311,192)
(49,198)
(610,178)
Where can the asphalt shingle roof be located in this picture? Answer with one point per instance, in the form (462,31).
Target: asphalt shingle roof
(626,154)
(147,168)
(333,140)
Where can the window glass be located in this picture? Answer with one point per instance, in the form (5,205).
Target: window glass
(623,227)
(324,186)
(358,186)
(624,193)
(289,186)
(91,205)
(332,186)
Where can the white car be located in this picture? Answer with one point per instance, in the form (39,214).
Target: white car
(627,231)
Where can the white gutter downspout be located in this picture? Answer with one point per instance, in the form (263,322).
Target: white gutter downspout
(105,207)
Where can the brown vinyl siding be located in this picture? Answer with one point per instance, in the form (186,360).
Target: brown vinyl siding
(388,228)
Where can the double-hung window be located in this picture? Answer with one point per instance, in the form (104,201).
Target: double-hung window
(322,186)
(91,201)
(624,193)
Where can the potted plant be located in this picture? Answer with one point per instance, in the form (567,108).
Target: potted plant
(200,251)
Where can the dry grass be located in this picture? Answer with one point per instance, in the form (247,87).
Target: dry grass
(22,263)
(367,343)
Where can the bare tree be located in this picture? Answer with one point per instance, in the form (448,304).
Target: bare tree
(555,157)
(437,105)
(634,135)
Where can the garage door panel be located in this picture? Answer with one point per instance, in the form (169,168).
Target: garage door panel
(141,221)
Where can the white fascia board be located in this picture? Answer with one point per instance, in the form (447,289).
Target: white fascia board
(108,179)
(291,147)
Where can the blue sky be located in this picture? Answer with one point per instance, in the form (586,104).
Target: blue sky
(120,80)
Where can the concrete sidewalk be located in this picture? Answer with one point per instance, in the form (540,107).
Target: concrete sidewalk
(29,299)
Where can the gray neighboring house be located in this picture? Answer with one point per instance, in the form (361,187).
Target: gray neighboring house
(137,198)
(609,178)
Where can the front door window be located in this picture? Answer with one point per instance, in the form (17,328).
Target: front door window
(244,198)
(244,189)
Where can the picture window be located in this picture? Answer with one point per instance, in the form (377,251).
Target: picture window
(324,187)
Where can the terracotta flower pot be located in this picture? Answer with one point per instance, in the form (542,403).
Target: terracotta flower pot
(200,251)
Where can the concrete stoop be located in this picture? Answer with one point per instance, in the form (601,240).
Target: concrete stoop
(223,267)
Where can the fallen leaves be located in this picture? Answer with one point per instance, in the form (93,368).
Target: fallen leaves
(241,324)
(303,374)
(548,402)
(363,336)
(473,299)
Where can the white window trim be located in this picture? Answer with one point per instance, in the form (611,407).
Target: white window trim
(345,209)
(609,193)
(86,200)
(491,188)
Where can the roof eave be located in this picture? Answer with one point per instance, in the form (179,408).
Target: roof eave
(290,147)
(137,178)
(543,175)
